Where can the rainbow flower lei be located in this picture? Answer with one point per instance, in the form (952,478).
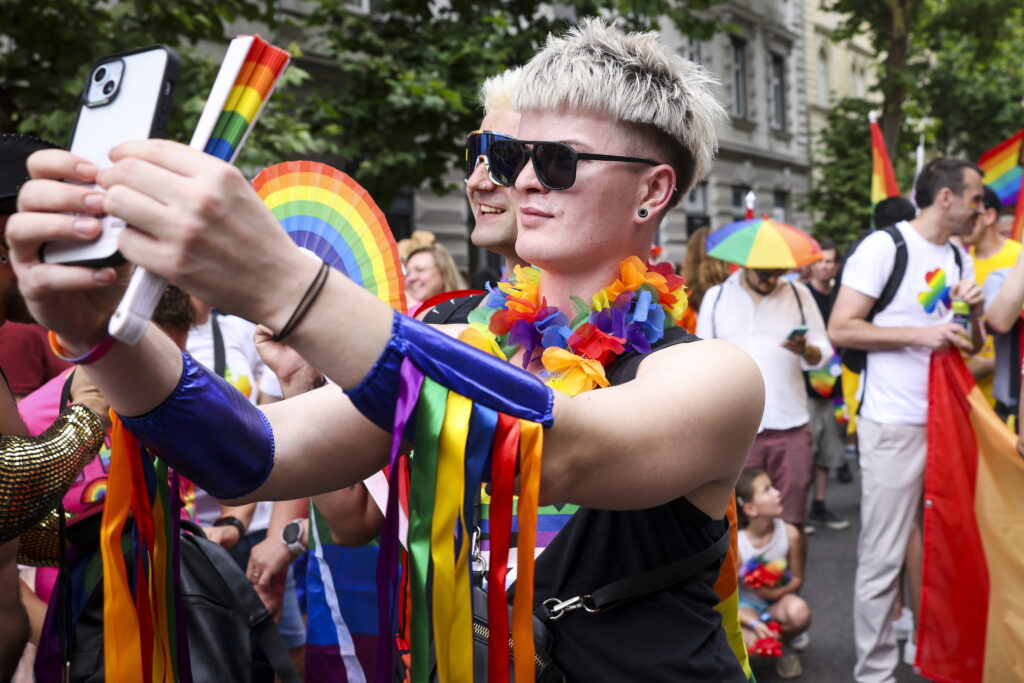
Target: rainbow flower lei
(630,314)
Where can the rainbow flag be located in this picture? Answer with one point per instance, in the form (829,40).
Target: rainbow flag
(883,180)
(972,609)
(1002,168)
(263,65)
(341,594)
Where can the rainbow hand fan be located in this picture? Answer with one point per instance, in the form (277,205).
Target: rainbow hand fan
(326,212)
(247,76)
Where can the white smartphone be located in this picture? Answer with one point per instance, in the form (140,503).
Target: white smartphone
(127,97)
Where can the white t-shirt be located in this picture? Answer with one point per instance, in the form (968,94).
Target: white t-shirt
(896,389)
(759,325)
(244,370)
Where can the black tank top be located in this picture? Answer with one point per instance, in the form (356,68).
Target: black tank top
(673,635)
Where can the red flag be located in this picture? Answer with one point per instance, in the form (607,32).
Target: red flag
(972,609)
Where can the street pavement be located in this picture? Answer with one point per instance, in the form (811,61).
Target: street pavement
(831,563)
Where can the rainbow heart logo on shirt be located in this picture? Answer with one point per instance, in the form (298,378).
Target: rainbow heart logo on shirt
(937,292)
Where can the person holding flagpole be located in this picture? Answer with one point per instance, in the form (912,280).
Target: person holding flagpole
(899,341)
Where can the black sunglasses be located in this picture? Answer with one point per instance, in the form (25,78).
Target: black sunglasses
(553,162)
(765,275)
(478,144)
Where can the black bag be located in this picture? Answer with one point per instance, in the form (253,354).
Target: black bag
(231,636)
(603,599)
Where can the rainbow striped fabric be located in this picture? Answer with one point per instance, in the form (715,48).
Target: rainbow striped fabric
(263,65)
(341,594)
(972,608)
(1002,168)
(883,180)
(1003,173)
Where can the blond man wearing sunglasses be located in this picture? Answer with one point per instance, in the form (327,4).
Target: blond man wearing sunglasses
(653,460)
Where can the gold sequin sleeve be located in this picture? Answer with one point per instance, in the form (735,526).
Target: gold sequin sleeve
(36,472)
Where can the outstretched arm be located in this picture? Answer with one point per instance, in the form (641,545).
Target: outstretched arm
(685,423)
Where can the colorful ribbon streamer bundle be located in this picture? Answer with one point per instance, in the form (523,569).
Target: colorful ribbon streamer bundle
(144,636)
(457,444)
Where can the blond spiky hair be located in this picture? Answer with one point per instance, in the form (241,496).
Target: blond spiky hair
(633,77)
(496,92)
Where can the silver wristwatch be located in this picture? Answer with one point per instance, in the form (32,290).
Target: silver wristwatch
(292,536)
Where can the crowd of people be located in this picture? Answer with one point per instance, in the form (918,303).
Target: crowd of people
(580,155)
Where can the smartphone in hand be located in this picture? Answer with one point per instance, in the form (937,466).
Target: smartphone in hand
(798,331)
(127,97)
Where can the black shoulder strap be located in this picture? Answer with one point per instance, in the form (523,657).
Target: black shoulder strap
(253,608)
(899,269)
(644,583)
(454,310)
(959,260)
(799,304)
(219,361)
(624,369)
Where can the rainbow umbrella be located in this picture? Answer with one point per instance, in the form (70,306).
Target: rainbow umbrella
(763,243)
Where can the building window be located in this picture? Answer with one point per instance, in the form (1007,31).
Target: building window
(739,205)
(739,78)
(857,81)
(697,199)
(778,90)
(780,205)
(692,50)
(822,78)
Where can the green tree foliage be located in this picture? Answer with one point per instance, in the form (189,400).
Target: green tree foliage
(404,94)
(960,83)
(393,92)
(841,194)
(46,49)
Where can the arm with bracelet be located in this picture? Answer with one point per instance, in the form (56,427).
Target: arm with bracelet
(359,343)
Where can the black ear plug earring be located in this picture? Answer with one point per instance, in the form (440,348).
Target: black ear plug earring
(642,212)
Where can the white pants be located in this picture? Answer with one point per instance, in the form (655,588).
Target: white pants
(892,459)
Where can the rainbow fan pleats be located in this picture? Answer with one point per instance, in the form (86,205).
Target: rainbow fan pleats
(331,215)
(263,65)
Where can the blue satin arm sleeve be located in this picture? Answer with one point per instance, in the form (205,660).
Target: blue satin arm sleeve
(465,370)
(209,432)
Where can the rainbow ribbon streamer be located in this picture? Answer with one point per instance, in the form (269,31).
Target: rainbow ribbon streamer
(458,444)
(263,66)
(144,637)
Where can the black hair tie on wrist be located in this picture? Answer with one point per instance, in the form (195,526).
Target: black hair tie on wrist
(231,520)
(306,302)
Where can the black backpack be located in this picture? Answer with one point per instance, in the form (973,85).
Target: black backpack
(856,359)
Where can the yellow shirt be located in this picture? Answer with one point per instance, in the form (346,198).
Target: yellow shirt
(1004,258)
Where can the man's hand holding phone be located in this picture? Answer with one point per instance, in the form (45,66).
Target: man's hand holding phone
(796,340)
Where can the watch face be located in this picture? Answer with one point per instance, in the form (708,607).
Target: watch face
(291,532)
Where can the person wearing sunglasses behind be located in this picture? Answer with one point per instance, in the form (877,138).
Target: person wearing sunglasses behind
(651,460)
(777,322)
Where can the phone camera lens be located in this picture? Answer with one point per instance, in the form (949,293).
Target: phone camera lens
(108,87)
(100,73)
